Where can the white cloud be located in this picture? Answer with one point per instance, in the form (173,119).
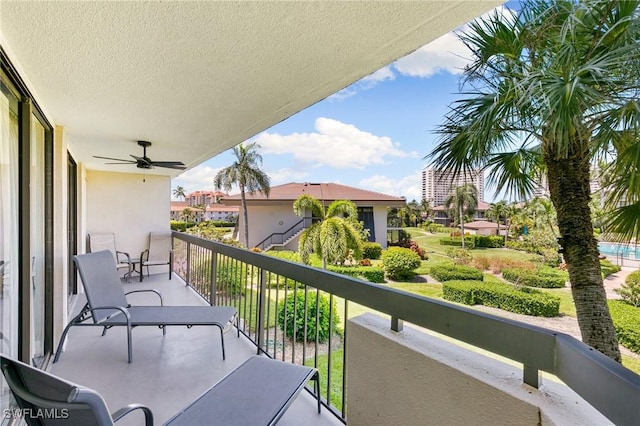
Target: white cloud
(199,178)
(366,83)
(286,175)
(408,186)
(446,53)
(335,144)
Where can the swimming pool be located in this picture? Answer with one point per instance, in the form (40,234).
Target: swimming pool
(631,251)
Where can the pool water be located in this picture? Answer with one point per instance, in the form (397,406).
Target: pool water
(631,251)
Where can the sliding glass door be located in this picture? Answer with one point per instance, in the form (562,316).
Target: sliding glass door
(9,225)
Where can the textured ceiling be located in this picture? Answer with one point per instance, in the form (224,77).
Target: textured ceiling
(196,78)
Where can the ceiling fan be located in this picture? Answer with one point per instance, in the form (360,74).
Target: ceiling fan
(145,162)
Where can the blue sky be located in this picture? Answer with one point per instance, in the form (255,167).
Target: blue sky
(371,135)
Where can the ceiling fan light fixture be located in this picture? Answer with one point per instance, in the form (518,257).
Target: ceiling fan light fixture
(145,162)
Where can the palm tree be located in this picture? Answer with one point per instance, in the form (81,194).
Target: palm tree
(333,235)
(554,87)
(544,214)
(497,211)
(188,215)
(512,212)
(463,200)
(425,209)
(244,172)
(179,193)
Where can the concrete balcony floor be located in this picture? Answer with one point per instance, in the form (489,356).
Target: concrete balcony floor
(167,372)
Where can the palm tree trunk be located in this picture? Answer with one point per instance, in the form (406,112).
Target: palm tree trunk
(461,225)
(245,216)
(570,193)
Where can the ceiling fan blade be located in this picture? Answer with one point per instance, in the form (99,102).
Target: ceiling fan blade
(124,162)
(141,160)
(169,164)
(114,159)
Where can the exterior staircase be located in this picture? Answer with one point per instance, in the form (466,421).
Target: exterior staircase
(281,239)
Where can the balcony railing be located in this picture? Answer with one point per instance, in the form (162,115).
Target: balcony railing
(282,237)
(257,284)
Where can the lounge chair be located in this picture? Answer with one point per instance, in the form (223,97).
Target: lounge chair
(256,393)
(46,399)
(160,252)
(107,305)
(99,241)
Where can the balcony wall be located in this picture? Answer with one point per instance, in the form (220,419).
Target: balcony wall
(411,378)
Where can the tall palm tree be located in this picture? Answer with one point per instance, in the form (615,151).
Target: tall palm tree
(554,87)
(244,172)
(498,211)
(334,235)
(425,209)
(179,193)
(512,212)
(544,214)
(463,200)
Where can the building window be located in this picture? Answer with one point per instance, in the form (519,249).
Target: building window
(365,215)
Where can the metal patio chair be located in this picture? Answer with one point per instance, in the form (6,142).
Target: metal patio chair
(107,305)
(160,252)
(99,241)
(45,399)
(256,393)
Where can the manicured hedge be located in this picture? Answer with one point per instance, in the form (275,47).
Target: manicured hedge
(369,273)
(457,242)
(525,301)
(371,250)
(488,241)
(543,278)
(608,268)
(626,320)
(444,273)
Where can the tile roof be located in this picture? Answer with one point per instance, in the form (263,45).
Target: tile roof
(321,191)
(481,224)
(482,206)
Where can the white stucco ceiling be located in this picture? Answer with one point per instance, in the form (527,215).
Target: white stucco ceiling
(196,78)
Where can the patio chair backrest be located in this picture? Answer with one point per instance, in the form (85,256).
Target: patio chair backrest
(101,282)
(60,401)
(159,246)
(99,241)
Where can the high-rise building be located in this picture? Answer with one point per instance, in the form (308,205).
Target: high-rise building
(437,184)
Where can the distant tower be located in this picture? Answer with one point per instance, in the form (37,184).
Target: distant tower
(437,184)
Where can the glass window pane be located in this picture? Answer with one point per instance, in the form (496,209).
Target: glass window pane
(9,261)
(37,222)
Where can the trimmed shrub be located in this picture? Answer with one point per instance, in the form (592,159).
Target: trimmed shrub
(543,278)
(488,241)
(372,274)
(525,301)
(444,273)
(608,268)
(291,256)
(231,277)
(181,226)
(371,250)
(399,262)
(629,291)
(625,320)
(295,303)
(457,242)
